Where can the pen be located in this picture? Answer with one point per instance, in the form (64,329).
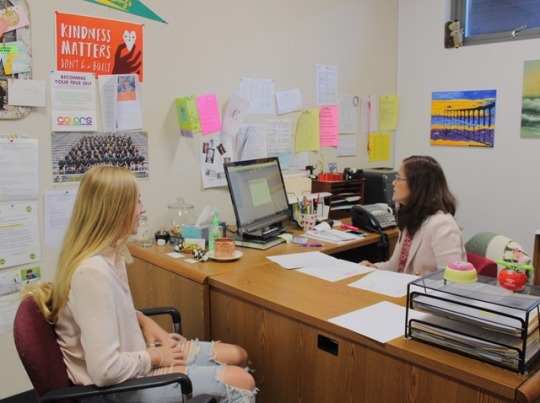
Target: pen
(349,227)
(311,244)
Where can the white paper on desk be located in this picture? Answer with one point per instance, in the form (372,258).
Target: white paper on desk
(336,271)
(389,283)
(382,322)
(302,259)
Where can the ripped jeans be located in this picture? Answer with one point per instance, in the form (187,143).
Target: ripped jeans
(205,374)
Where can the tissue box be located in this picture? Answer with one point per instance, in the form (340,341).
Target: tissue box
(200,231)
(195,231)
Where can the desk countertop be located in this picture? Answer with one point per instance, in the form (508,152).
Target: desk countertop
(201,271)
(303,297)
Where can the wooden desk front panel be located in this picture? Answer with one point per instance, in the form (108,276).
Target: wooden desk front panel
(290,367)
(277,314)
(152,286)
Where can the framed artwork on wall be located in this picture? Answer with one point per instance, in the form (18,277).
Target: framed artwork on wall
(463,118)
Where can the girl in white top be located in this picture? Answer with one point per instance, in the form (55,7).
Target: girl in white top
(103,339)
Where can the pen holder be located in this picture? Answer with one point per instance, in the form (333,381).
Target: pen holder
(308,221)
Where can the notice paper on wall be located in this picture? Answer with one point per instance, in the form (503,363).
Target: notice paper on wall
(19,233)
(18,168)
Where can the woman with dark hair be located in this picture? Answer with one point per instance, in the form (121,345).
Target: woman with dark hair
(429,237)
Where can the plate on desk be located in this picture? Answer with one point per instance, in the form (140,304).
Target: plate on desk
(237,255)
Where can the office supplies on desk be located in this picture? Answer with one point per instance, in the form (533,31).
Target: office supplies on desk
(324,232)
(312,244)
(351,227)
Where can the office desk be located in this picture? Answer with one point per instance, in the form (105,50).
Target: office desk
(279,315)
(157,279)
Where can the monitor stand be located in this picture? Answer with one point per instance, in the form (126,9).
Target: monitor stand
(265,233)
(257,243)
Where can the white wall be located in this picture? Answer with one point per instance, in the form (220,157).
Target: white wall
(497,187)
(207,46)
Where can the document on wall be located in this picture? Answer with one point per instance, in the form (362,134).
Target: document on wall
(120,102)
(234,115)
(328,126)
(348,113)
(27,93)
(260,92)
(369,113)
(58,208)
(73,101)
(18,169)
(327,85)
(19,233)
(388,112)
(288,101)
(251,142)
(279,133)
(347,145)
(379,147)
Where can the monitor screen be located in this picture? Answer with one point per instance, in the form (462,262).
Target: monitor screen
(258,196)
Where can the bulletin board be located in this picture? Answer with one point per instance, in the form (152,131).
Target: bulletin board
(15,53)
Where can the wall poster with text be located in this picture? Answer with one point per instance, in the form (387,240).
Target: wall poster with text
(103,46)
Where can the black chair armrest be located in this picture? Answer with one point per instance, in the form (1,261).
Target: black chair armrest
(166,310)
(79,391)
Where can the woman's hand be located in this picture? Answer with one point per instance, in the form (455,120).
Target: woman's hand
(155,334)
(164,356)
(368,264)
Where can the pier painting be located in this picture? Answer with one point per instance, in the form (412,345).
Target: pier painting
(463,118)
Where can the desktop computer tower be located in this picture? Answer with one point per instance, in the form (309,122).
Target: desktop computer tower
(378,186)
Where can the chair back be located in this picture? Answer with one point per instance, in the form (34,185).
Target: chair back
(35,340)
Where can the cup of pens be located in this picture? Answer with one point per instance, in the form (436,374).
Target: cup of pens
(308,221)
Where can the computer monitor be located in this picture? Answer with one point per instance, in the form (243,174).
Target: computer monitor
(258,197)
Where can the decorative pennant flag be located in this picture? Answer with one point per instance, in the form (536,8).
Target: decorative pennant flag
(132,7)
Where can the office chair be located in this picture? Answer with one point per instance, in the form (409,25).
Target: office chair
(493,247)
(35,340)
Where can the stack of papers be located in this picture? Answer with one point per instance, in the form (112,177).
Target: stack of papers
(324,232)
(320,265)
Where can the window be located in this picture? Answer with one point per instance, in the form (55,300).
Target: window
(489,21)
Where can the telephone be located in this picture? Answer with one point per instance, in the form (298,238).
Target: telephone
(373,217)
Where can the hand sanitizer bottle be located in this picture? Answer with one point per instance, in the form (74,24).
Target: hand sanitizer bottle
(215,232)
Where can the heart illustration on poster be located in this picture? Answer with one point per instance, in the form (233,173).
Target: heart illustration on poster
(129,39)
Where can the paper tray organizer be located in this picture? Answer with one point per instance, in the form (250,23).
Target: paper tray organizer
(480,320)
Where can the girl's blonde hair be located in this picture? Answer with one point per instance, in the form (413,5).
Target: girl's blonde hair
(103,215)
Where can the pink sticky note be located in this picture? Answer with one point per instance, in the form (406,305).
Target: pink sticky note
(208,113)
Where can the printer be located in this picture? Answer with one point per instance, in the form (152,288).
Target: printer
(378,186)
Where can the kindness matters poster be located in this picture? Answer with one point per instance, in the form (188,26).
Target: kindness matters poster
(89,44)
